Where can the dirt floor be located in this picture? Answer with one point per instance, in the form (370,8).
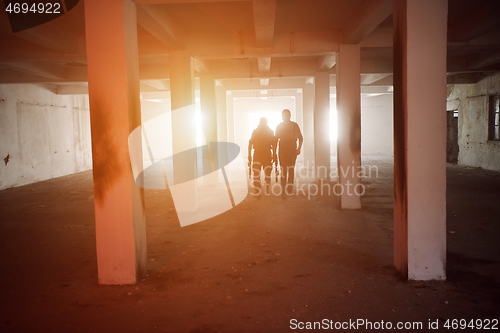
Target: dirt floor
(269,265)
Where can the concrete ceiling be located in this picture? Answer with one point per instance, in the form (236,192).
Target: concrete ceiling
(246,40)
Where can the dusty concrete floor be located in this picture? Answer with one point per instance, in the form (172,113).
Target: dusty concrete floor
(251,269)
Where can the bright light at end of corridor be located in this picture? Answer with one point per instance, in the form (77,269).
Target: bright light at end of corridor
(273,119)
(333,123)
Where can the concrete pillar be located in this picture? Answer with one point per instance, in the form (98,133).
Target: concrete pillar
(420,138)
(230,116)
(322,124)
(220,94)
(221,99)
(209,120)
(208,107)
(308,126)
(299,111)
(113,77)
(183,128)
(349,125)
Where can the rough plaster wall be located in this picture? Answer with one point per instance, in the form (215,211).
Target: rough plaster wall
(45,135)
(472,99)
(377,125)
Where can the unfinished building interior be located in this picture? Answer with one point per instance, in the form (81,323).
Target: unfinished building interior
(108,225)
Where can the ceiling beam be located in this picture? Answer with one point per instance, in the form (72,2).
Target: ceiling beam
(201,66)
(242,45)
(488,62)
(71,75)
(146,86)
(9,76)
(221,69)
(161,25)
(326,62)
(43,69)
(55,39)
(241,69)
(264,64)
(370,15)
(484,59)
(22,50)
(72,89)
(264,16)
(201,46)
(465,78)
(387,80)
(376,90)
(161,85)
(266,93)
(248,84)
(475,24)
(368,79)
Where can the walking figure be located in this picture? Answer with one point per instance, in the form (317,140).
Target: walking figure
(288,143)
(262,144)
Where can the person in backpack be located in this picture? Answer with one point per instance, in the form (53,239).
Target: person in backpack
(261,161)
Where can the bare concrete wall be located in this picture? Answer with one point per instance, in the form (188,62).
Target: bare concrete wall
(376,125)
(472,102)
(43,134)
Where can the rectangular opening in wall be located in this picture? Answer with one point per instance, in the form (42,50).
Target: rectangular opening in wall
(494,118)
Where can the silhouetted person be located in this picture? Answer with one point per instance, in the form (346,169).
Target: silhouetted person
(288,143)
(262,143)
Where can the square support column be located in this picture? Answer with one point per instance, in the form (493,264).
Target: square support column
(221,99)
(230,116)
(322,124)
(208,107)
(220,94)
(308,125)
(209,122)
(349,125)
(113,76)
(299,114)
(420,138)
(230,119)
(183,131)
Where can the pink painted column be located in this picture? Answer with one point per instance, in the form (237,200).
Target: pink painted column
(183,130)
(230,116)
(208,107)
(308,124)
(209,121)
(220,94)
(349,125)
(221,100)
(420,138)
(322,124)
(299,114)
(113,77)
